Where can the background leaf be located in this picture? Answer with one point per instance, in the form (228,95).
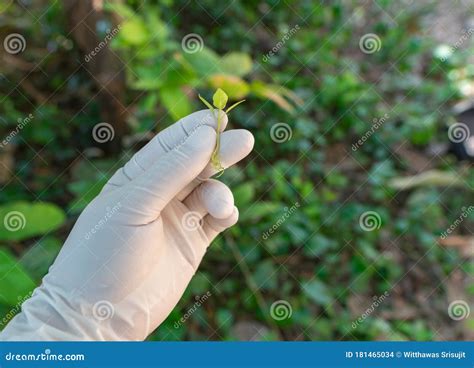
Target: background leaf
(16,284)
(236,63)
(29,219)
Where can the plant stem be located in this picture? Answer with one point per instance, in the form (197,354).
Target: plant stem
(215,154)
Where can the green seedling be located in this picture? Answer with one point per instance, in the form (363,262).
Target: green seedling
(219,99)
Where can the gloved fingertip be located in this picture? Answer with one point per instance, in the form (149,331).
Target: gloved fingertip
(248,140)
(222,207)
(234,217)
(218,199)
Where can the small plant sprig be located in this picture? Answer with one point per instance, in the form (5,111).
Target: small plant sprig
(219,99)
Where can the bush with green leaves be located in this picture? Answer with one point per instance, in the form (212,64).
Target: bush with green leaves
(328,92)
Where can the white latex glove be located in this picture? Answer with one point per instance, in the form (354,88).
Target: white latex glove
(136,246)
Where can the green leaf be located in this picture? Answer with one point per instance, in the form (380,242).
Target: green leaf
(88,179)
(204,62)
(259,210)
(318,245)
(426,179)
(148,77)
(176,72)
(270,92)
(134,32)
(234,106)
(85,191)
(40,256)
(22,220)
(205,102)
(16,284)
(243,194)
(317,292)
(220,99)
(176,102)
(121,9)
(236,63)
(266,275)
(288,93)
(199,284)
(224,318)
(235,87)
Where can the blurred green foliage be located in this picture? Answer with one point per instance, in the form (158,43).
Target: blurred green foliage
(327,91)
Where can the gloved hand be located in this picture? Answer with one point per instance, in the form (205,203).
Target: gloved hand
(137,245)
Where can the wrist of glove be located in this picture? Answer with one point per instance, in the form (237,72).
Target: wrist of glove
(134,249)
